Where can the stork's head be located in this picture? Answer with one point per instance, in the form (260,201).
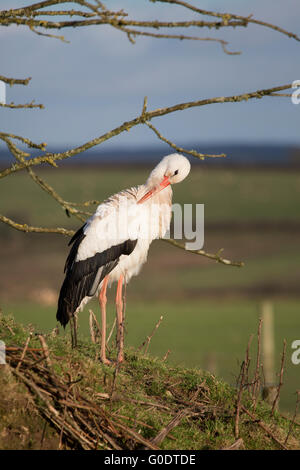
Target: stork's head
(171,169)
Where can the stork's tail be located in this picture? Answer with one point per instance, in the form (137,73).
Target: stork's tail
(64,309)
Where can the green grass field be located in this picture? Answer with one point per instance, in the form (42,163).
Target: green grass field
(209,309)
(252,194)
(204,334)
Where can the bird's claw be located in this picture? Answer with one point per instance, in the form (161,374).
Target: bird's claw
(106,361)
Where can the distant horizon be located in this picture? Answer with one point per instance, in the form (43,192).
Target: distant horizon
(188,146)
(238,154)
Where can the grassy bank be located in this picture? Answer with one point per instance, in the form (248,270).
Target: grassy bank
(144,403)
(199,333)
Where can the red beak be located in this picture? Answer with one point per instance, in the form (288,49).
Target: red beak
(164,183)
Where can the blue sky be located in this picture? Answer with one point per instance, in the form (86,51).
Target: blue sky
(99,80)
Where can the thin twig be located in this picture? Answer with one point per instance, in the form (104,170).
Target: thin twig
(239,400)
(257,380)
(242,381)
(111,331)
(275,403)
(116,372)
(215,256)
(293,420)
(146,342)
(194,153)
(157,440)
(236,445)
(166,355)
(24,352)
(92,330)
(248,360)
(30,105)
(264,427)
(227,17)
(45,349)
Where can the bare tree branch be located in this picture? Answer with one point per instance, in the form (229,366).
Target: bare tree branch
(132,33)
(19,106)
(15,81)
(20,156)
(230,16)
(52,158)
(26,141)
(98,14)
(28,228)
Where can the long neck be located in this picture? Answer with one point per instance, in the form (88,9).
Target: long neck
(164,196)
(164,200)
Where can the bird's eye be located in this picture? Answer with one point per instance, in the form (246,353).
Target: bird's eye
(176,172)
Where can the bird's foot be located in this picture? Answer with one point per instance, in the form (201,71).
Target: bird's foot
(106,361)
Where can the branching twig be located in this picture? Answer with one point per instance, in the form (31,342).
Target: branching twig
(212,256)
(131,33)
(6,137)
(230,16)
(15,81)
(98,14)
(196,154)
(20,156)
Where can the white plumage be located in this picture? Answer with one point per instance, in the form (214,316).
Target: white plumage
(113,244)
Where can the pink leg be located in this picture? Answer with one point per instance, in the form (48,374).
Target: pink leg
(120,320)
(102,301)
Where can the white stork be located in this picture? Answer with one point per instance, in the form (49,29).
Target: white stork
(113,244)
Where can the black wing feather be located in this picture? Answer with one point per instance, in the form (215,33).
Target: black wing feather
(75,240)
(80,275)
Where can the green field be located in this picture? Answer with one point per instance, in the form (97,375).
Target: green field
(209,309)
(239,194)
